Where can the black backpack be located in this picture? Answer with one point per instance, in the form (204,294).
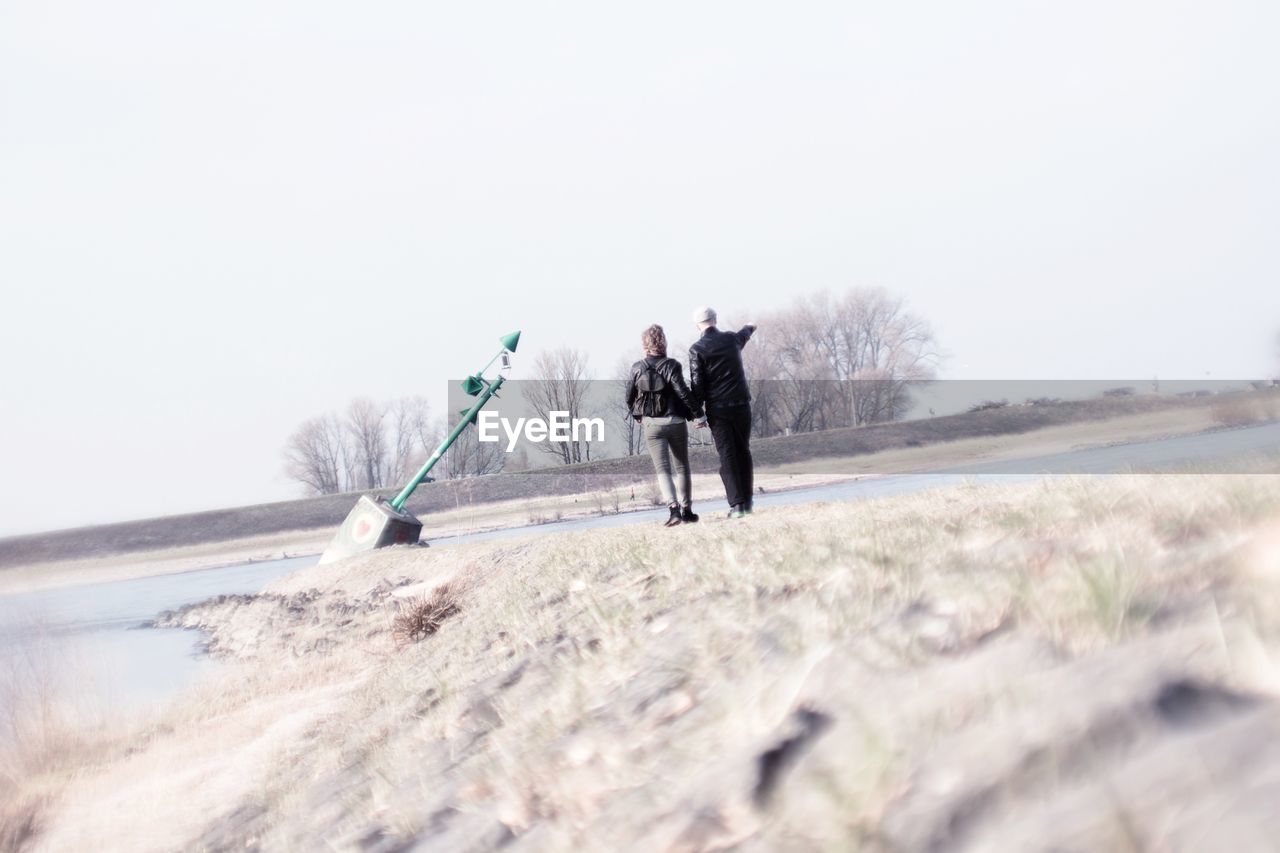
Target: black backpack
(652,387)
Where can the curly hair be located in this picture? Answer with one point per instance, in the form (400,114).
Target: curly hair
(654,340)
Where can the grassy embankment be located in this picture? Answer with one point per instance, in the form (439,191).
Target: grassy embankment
(1083,662)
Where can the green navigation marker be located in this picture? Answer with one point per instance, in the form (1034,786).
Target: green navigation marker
(376,524)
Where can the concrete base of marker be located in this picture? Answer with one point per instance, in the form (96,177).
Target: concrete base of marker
(373,524)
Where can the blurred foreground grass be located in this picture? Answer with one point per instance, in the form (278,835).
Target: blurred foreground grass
(970,667)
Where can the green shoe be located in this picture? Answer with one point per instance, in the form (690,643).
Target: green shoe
(736,512)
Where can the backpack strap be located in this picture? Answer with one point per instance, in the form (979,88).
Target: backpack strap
(652,386)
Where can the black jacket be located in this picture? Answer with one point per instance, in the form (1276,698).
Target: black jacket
(716,376)
(675,400)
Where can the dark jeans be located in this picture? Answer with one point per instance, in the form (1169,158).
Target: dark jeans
(731,429)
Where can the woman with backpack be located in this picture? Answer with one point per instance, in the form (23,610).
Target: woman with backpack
(659,399)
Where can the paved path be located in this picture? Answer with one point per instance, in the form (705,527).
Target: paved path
(1208,451)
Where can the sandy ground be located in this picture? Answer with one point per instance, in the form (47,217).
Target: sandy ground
(1087,665)
(707,490)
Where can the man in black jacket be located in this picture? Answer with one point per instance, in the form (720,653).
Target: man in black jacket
(718,381)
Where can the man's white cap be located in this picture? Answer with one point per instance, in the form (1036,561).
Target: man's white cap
(705,314)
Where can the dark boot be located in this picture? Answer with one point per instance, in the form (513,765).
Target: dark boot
(675,517)
(688,516)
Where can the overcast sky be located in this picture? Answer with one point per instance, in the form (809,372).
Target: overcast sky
(219,219)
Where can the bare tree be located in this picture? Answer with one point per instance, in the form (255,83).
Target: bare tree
(889,348)
(371,446)
(410,436)
(516,460)
(843,361)
(621,412)
(368,443)
(559,384)
(790,375)
(315,456)
(468,456)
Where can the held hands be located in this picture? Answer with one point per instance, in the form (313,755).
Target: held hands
(700,423)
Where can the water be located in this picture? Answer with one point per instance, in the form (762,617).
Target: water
(90,637)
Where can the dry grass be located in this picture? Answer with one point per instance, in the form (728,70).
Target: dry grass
(780,682)
(420,617)
(53,725)
(1244,408)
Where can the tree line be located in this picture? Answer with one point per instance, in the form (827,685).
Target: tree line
(822,362)
(372,445)
(830,361)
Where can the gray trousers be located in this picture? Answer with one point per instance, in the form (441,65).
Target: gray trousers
(667,438)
